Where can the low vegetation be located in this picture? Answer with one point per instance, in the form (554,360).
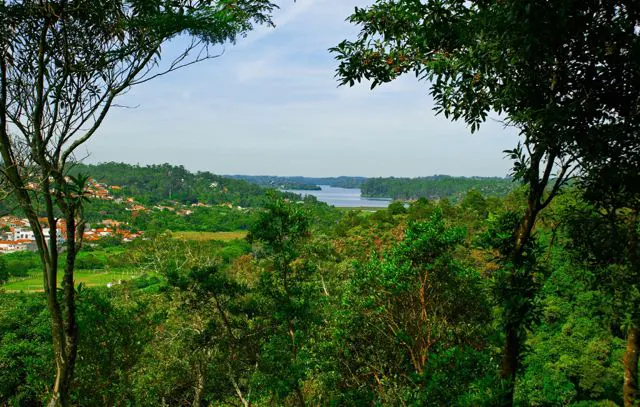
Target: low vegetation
(401,304)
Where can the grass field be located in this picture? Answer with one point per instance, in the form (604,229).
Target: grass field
(360,208)
(205,236)
(90,278)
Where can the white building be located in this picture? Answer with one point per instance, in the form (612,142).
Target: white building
(22,234)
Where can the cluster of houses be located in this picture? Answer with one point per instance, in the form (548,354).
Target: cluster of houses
(99,190)
(17,235)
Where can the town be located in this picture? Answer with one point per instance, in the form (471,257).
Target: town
(17,235)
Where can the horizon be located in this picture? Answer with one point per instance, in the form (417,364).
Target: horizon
(138,164)
(271,104)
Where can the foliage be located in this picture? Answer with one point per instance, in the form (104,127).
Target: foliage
(573,355)
(155,184)
(25,349)
(337,315)
(403,323)
(288,289)
(434,187)
(4,273)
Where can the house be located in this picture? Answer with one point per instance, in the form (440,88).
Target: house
(104,232)
(164,208)
(9,221)
(90,236)
(7,246)
(22,234)
(111,222)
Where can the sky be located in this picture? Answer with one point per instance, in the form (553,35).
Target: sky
(270,105)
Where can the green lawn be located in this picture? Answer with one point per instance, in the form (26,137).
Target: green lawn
(206,236)
(89,278)
(360,208)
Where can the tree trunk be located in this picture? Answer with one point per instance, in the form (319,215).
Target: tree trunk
(59,394)
(198,388)
(64,326)
(631,355)
(630,387)
(66,357)
(510,361)
(299,396)
(512,345)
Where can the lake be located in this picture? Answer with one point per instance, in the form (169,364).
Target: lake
(343,197)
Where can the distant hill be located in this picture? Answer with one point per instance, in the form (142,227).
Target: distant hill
(435,187)
(166,197)
(432,187)
(303,183)
(156,184)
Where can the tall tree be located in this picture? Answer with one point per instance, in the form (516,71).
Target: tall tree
(288,289)
(564,73)
(62,66)
(407,315)
(612,185)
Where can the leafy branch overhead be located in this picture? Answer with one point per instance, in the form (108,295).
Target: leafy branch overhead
(562,73)
(62,66)
(71,60)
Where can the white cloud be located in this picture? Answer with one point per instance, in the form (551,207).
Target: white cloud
(272,105)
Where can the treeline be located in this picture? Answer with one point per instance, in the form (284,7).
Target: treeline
(404,306)
(434,187)
(302,183)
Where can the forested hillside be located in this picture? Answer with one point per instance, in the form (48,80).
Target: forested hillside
(434,187)
(154,184)
(301,182)
(165,197)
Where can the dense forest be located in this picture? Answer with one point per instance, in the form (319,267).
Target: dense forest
(403,305)
(435,187)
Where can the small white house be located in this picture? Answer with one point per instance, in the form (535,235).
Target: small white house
(23,234)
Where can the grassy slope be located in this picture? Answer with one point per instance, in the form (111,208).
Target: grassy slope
(206,236)
(33,282)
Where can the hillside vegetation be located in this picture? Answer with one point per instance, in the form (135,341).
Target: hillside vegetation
(303,183)
(366,292)
(435,187)
(154,184)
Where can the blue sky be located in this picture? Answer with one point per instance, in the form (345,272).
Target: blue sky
(271,105)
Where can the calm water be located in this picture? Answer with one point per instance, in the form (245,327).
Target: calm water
(343,197)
